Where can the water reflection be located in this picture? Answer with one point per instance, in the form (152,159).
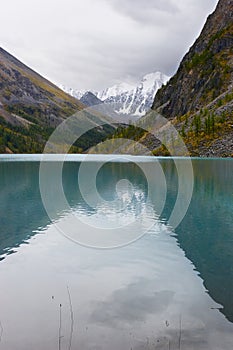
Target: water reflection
(21,209)
(206,233)
(143,296)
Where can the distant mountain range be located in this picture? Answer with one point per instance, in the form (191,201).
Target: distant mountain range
(127,99)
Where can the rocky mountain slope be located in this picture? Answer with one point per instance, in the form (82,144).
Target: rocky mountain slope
(127,99)
(89,99)
(199,98)
(31,107)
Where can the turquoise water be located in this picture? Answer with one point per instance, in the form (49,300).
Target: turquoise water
(170,288)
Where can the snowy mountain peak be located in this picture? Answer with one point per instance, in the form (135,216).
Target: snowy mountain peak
(129,99)
(72,92)
(114,91)
(136,99)
(154,76)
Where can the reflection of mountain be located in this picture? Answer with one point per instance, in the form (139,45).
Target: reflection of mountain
(206,231)
(205,234)
(21,210)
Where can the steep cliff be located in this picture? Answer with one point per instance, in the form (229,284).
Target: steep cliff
(199,97)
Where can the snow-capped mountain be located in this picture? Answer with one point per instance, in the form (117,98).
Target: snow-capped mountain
(129,99)
(137,99)
(72,92)
(115,90)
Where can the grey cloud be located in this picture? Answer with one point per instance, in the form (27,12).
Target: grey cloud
(141,10)
(93,44)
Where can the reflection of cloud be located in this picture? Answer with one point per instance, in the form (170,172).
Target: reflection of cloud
(132,304)
(195,338)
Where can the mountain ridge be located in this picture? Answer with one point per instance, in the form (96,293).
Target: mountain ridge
(198,98)
(31,107)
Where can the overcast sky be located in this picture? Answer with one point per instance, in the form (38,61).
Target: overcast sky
(92,44)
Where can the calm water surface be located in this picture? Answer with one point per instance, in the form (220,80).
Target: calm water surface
(170,289)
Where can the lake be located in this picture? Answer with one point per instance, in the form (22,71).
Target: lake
(112,267)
